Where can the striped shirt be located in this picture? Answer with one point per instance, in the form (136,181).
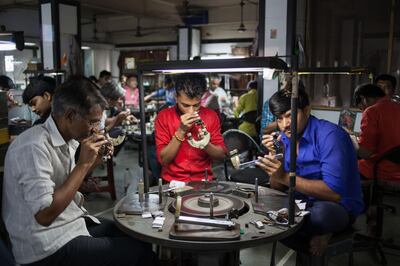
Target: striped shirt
(37,162)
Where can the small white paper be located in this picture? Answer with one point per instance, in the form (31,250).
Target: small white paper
(158,222)
(146,215)
(300,204)
(176,184)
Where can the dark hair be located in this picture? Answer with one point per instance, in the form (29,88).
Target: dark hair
(6,83)
(252,84)
(280,101)
(104,73)
(38,87)
(131,76)
(77,93)
(192,84)
(93,79)
(110,91)
(387,77)
(367,90)
(168,79)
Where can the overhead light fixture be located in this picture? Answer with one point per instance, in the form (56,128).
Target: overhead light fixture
(30,44)
(7,46)
(11,40)
(241,28)
(85,48)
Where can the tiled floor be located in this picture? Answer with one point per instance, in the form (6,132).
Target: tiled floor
(101,204)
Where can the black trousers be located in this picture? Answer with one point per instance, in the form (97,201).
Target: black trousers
(107,246)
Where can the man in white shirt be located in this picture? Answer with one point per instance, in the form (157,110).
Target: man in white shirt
(223,100)
(41,204)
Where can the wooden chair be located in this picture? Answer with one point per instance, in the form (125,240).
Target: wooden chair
(109,187)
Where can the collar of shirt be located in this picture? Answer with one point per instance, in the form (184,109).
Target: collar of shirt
(56,139)
(306,133)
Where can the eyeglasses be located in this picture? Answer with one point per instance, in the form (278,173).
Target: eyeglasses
(90,123)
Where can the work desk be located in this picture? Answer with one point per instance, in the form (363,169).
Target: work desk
(141,228)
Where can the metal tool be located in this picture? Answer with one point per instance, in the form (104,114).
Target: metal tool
(205,221)
(199,143)
(235,160)
(178,207)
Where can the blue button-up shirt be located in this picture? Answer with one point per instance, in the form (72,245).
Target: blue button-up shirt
(169,95)
(326,153)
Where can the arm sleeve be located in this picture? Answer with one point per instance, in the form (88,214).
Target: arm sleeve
(35,172)
(336,156)
(369,131)
(159,93)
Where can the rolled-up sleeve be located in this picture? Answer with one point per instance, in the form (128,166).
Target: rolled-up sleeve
(34,177)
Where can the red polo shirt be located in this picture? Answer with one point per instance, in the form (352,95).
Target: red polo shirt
(380,132)
(189,163)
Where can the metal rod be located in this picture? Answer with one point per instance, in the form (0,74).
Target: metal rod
(293,146)
(256,189)
(143,132)
(160,191)
(211,205)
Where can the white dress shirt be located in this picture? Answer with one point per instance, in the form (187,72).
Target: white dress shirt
(37,162)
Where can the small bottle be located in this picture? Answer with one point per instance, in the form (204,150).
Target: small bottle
(127,178)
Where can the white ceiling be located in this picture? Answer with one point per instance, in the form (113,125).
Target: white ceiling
(116,21)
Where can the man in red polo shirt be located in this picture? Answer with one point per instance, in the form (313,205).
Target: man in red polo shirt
(180,161)
(380,131)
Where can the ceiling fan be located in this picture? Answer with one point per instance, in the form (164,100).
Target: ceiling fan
(241,28)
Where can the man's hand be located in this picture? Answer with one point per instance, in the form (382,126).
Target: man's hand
(274,168)
(188,120)
(268,141)
(90,149)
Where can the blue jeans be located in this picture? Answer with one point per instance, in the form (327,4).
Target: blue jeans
(325,217)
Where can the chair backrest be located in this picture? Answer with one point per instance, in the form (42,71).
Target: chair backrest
(243,142)
(250,117)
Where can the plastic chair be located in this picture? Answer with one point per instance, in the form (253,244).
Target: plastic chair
(247,149)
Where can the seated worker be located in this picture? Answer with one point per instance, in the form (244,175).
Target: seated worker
(114,114)
(327,174)
(131,92)
(6,84)
(379,131)
(180,161)
(38,95)
(210,100)
(104,77)
(168,90)
(50,227)
(388,84)
(247,109)
(223,100)
(268,120)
